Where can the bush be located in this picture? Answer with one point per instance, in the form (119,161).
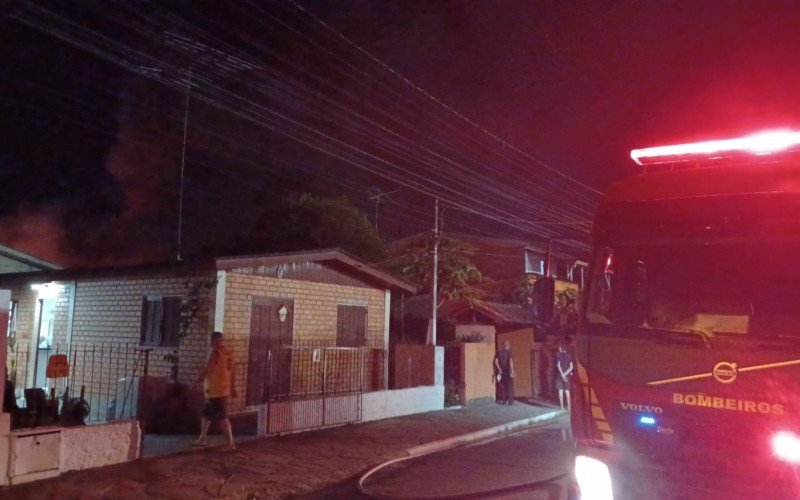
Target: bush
(474,337)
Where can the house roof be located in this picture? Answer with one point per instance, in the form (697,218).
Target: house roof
(460,310)
(184,268)
(26,258)
(335,257)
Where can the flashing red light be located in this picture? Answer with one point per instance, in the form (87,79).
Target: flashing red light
(759,144)
(786,446)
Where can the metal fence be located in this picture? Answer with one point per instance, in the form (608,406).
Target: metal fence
(309,387)
(302,386)
(105,375)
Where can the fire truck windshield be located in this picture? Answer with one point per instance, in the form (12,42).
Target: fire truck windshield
(713,271)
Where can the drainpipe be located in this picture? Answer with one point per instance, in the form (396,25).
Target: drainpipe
(387,310)
(548,256)
(71,316)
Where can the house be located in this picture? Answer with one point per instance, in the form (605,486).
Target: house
(109,321)
(505,262)
(308,331)
(508,268)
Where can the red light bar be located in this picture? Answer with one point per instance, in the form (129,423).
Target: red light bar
(759,144)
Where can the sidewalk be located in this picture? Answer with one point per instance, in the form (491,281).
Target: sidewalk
(281,466)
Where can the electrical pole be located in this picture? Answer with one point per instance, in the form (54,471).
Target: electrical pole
(378,198)
(435,288)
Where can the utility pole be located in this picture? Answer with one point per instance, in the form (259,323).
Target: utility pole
(435,289)
(378,199)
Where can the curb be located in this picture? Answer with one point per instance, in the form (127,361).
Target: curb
(453,442)
(482,434)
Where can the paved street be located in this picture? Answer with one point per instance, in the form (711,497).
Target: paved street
(504,466)
(295,465)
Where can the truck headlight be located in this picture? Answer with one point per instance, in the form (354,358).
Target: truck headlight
(593,479)
(786,446)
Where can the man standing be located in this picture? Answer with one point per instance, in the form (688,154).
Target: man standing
(505,367)
(219,383)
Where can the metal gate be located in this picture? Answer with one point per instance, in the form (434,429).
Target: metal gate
(306,387)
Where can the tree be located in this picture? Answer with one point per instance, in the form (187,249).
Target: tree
(308,222)
(457,274)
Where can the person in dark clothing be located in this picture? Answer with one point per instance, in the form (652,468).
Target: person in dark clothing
(564,367)
(504,366)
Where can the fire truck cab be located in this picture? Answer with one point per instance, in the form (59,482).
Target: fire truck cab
(688,356)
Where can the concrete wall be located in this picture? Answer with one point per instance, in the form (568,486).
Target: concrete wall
(64,449)
(476,368)
(388,404)
(86,447)
(374,406)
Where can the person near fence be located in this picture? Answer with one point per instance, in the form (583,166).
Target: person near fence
(504,365)
(219,384)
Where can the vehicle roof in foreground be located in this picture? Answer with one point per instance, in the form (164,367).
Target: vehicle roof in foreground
(766,162)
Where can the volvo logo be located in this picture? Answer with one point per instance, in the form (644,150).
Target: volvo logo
(725,372)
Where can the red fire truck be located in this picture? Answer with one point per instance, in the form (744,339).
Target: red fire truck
(688,358)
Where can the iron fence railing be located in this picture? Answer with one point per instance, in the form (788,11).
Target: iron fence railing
(102,382)
(303,372)
(306,387)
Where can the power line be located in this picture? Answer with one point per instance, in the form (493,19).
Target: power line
(456,176)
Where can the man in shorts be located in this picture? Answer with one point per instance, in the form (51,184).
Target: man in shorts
(219,383)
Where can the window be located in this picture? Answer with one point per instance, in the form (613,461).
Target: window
(351,326)
(533,263)
(161,320)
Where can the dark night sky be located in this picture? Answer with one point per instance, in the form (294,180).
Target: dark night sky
(91,147)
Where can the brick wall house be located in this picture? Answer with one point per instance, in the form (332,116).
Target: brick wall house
(322,298)
(96,317)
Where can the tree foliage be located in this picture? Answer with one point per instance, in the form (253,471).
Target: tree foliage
(308,222)
(457,274)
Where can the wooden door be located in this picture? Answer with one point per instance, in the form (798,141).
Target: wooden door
(271,323)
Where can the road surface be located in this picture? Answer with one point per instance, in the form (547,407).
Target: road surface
(502,468)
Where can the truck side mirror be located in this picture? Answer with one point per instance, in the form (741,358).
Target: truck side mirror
(544,298)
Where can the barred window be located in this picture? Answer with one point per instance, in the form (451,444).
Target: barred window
(161,320)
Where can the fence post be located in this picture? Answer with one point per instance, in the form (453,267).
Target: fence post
(141,411)
(361,375)
(269,389)
(324,382)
